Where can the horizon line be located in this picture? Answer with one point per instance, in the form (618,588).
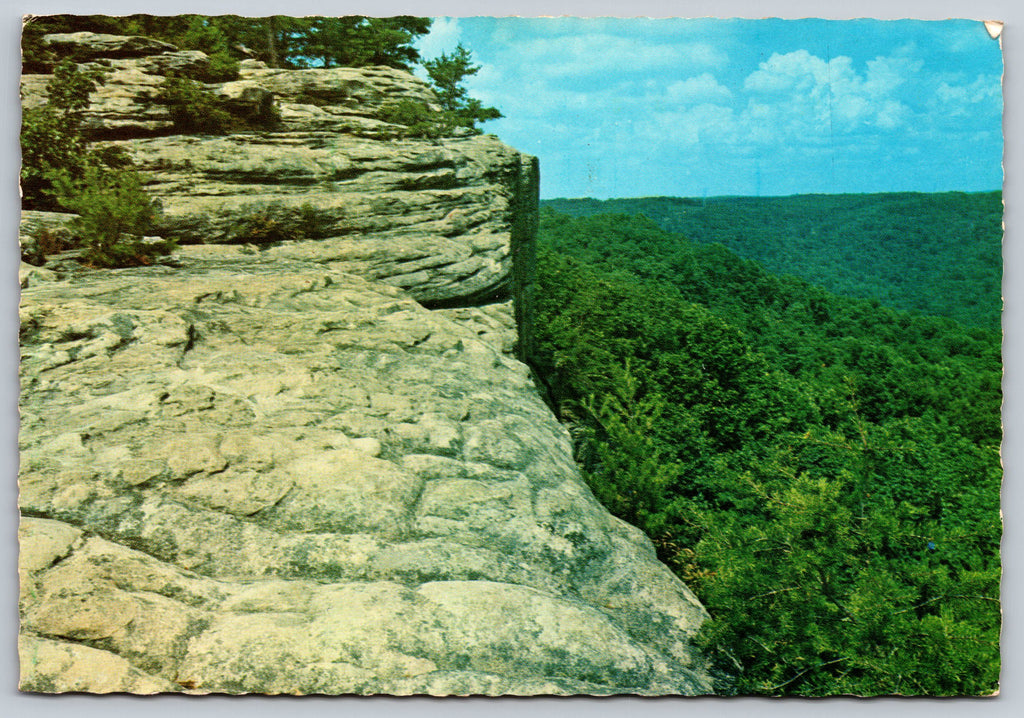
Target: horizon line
(773,196)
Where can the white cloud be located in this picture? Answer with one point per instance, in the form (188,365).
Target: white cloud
(444,35)
(798,71)
(886,74)
(959,98)
(702,88)
(892,115)
(568,56)
(699,124)
(703,53)
(800,95)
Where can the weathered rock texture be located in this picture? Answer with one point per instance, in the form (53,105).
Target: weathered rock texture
(278,471)
(452,202)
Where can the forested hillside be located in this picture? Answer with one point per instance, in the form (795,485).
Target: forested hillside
(932,253)
(823,471)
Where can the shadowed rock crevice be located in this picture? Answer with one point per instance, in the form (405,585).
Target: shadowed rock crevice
(319,466)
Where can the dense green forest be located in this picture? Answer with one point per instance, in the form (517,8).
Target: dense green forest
(930,253)
(823,471)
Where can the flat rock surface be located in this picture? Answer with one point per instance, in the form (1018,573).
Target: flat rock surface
(280,478)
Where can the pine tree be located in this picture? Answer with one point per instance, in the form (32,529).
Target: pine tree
(447,74)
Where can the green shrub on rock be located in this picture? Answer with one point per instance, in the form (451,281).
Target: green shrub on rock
(114,216)
(416,119)
(60,171)
(276,222)
(47,142)
(193,109)
(51,136)
(196,110)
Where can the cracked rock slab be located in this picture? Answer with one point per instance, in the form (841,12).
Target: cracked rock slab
(281,478)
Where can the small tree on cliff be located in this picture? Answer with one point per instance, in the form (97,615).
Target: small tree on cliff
(61,171)
(447,74)
(51,136)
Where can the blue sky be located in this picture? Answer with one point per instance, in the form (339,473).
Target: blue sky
(637,107)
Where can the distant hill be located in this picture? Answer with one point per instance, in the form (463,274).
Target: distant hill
(932,253)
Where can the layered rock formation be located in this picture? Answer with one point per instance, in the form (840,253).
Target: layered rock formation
(318,467)
(452,202)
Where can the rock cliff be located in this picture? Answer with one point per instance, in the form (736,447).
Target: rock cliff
(316,466)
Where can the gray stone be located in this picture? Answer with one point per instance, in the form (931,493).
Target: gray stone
(181,62)
(43,234)
(215,433)
(316,465)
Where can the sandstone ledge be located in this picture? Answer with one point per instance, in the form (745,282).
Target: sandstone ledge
(315,466)
(280,478)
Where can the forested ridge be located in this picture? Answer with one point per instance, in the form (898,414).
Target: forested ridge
(931,253)
(823,471)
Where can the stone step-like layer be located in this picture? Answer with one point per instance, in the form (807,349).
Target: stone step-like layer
(455,198)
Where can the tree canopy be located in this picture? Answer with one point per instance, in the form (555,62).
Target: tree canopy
(931,253)
(822,471)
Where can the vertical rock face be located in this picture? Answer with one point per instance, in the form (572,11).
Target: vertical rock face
(317,466)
